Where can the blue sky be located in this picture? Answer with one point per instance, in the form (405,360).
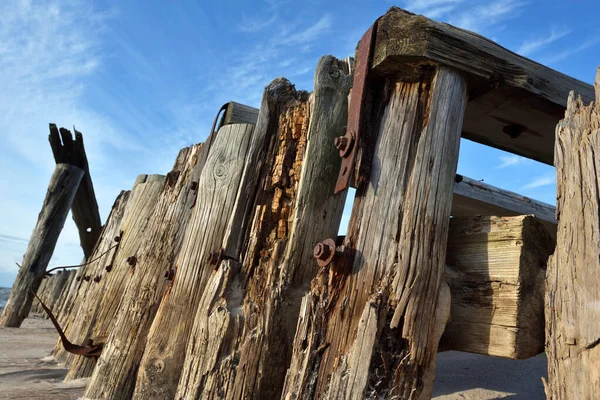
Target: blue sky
(143,79)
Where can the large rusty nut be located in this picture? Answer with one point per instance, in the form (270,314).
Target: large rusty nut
(324,252)
(344,144)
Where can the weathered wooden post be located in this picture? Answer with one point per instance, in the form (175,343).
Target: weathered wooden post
(85,207)
(572,294)
(217,190)
(96,314)
(84,287)
(116,370)
(240,343)
(61,191)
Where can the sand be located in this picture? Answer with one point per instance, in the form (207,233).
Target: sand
(27,372)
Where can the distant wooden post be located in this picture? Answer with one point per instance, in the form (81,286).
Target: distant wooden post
(61,191)
(85,207)
(572,279)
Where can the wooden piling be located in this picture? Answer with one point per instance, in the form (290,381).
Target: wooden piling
(85,207)
(367,327)
(249,310)
(116,370)
(217,190)
(572,295)
(61,191)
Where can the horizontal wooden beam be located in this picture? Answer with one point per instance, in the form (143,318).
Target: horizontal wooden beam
(495,270)
(473,197)
(515,103)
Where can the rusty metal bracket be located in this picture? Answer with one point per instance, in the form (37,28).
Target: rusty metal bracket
(349,144)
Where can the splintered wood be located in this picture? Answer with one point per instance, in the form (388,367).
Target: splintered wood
(243,331)
(369,332)
(572,294)
(115,372)
(217,192)
(496,268)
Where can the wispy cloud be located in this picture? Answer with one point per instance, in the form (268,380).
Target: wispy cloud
(467,14)
(540,181)
(531,46)
(571,51)
(509,161)
(253,25)
(481,17)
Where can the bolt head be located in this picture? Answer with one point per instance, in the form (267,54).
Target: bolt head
(324,252)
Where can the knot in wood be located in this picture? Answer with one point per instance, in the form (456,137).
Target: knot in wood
(170,274)
(97,278)
(86,278)
(108,268)
(132,260)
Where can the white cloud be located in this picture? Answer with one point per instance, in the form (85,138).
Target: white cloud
(531,46)
(253,25)
(481,17)
(509,161)
(540,181)
(571,51)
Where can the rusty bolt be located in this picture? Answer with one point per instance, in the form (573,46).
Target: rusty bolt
(86,278)
(324,252)
(97,278)
(108,268)
(132,260)
(170,274)
(344,144)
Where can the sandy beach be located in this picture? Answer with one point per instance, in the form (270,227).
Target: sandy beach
(28,372)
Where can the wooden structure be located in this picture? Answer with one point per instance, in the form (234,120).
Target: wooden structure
(226,282)
(572,330)
(85,207)
(61,191)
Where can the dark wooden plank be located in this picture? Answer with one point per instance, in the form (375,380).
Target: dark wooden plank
(85,207)
(515,103)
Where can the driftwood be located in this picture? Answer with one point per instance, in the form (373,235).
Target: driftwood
(572,296)
(367,326)
(96,314)
(241,339)
(61,191)
(496,268)
(84,208)
(217,190)
(115,372)
(84,285)
(514,103)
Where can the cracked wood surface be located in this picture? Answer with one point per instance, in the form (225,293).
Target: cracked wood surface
(572,294)
(218,188)
(116,369)
(241,341)
(369,331)
(96,315)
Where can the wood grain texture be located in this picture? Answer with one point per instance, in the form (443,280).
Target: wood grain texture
(96,315)
(218,188)
(572,295)
(85,207)
(508,93)
(116,369)
(472,198)
(241,340)
(83,289)
(496,268)
(369,322)
(59,197)
(237,113)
